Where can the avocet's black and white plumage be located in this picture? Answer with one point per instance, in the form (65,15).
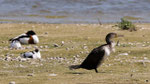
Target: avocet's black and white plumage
(32,54)
(15,44)
(28,38)
(97,55)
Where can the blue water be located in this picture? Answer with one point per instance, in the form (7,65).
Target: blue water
(73,11)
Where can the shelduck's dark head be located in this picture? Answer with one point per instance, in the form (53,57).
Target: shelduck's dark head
(110,36)
(31,32)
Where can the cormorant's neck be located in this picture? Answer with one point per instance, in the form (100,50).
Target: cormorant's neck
(108,41)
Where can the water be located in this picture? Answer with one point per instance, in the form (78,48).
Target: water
(74,11)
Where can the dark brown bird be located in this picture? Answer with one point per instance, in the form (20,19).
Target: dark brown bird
(97,55)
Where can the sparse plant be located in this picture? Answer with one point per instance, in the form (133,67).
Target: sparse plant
(126,25)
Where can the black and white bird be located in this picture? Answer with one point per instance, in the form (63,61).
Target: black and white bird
(97,55)
(27,38)
(32,54)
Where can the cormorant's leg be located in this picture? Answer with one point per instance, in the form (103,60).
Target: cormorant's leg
(96,70)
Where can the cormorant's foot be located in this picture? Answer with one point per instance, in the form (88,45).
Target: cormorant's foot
(96,70)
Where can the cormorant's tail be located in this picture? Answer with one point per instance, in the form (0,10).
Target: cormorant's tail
(74,67)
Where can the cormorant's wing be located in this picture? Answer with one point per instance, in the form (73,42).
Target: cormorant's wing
(94,59)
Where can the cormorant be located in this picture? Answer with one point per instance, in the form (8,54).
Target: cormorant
(97,55)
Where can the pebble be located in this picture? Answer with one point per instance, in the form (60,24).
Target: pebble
(28,47)
(145,58)
(22,59)
(35,46)
(12,82)
(33,26)
(11,54)
(8,59)
(125,54)
(143,63)
(81,52)
(56,45)
(87,52)
(57,27)
(52,74)
(62,42)
(146,80)
(67,49)
(77,55)
(30,74)
(7,54)
(46,33)
(85,47)
(41,46)
(46,46)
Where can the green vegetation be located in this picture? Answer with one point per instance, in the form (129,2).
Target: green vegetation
(126,25)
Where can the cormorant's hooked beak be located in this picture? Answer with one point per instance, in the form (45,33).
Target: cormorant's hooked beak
(120,35)
(118,40)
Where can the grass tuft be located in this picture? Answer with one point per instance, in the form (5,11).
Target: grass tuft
(126,25)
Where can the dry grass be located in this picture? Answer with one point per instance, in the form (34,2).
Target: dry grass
(117,69)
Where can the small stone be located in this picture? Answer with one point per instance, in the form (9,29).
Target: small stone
(77,55)
(46,33)
(85,47)
(45,46)
(36,47)
(7,54)
(134,57)
(22,59)
(12,82)
(30,74)
(125,54)
(72,47)
(145,58)
(57,27)
(143,63)
(52,74)
(11,54)
(87,52)
(62,42)
(81,52)
(33,26)
(41,46)
(8,59)
(28,47)
(146,80)
(67,49)
(56,45)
